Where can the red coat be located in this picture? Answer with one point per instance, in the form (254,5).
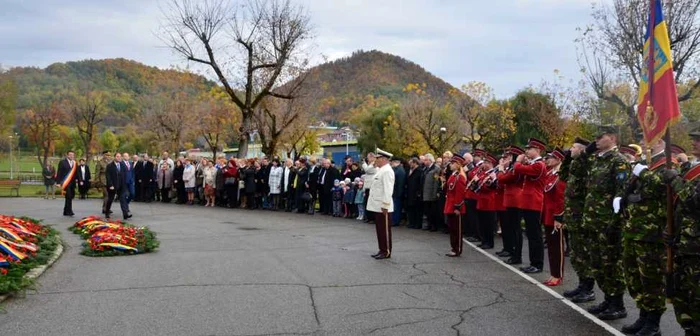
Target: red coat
(553,198)
(487,196)
(533,185)
(470,195)
(500,196)
(454,194)
(512,188)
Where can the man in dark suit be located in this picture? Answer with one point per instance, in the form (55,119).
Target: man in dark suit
(67,180)
(83,179)
(138,168)
(116,186)
(146,179)
(325,181)
(129,177)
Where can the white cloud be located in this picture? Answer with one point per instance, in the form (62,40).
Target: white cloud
(506,43)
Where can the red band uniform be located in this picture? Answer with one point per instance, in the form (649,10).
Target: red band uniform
(554,206)
(454,201)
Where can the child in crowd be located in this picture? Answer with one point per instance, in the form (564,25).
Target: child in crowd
(337,194)
(348,199)
(360,200)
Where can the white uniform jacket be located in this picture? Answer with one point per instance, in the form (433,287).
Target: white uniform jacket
(381,191)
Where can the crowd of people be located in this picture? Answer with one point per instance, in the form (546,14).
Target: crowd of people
(603,202)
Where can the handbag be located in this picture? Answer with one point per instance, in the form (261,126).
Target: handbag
(306,196)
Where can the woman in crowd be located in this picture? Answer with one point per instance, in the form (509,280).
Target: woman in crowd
(231,177)
(248,178)
(275,183)
(165,182)
(188,176)
(49,180)
(260,185)
(178,183)
(209,181)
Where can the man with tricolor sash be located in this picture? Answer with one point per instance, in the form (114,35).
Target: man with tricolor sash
(67,180)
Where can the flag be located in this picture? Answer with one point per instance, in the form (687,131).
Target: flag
(657,104)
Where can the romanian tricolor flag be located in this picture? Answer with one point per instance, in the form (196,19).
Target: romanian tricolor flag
(69,177)
(658,101)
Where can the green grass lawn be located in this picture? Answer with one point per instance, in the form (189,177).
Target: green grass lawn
(25,163)
(33,190)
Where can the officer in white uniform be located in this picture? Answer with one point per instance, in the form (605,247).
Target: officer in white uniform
(381,204)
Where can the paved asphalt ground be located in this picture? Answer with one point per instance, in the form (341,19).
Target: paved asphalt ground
(239,272)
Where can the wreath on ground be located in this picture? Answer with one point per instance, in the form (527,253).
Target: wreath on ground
(24,245)
(106,238)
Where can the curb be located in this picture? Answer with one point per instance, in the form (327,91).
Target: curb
(39,270)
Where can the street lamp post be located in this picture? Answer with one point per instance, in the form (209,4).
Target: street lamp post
(347,143)
(442,137)
(11,169)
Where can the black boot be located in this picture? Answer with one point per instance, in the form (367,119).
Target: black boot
(599,308)
(616,310)
(573,292)
(633,328)
(587,294)
(651,326)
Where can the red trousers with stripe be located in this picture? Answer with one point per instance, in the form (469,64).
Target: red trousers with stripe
(382,222)
(454,225)
(555,249)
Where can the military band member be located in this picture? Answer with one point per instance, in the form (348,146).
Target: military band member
(685,241)
(574,171)
(607,179)
(381,203)
(513,186)
(486,206)
(471,230)
(454,204)
(553,207)
(644,255)
(531,166)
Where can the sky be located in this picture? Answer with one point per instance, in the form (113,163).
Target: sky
(509,44)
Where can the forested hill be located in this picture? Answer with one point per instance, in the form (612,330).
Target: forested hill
(345,83)
(124,83)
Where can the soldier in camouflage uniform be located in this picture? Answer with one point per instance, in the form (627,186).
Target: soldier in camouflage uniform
(101,181)
(644,255)
(685,292)
(607,178)
(575,172)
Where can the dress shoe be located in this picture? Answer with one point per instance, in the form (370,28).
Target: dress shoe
(473,240)
(553,282)
(382,256)
(513,261)
(127,217)
(376,254)
(530,270)
(486,247)
(584,296)
(599,308)
(501,253)
(452,254)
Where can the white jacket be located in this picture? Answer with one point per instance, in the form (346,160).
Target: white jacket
(368,178)
(188,176)
(380,194)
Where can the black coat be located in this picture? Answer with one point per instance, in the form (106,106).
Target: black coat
(177,177)
(146,173)
(414,187)
(332,174)
(399,182)
(116,179)
(248,177)
(302,177)
(290,182)
(88,177)
(312,178)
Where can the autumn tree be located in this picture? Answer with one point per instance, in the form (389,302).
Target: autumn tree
(40,126)
(490,123)
(433,121)
(536,116)
(610,50)
(217,118)
(87,112)
(8,101)
(249,45)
